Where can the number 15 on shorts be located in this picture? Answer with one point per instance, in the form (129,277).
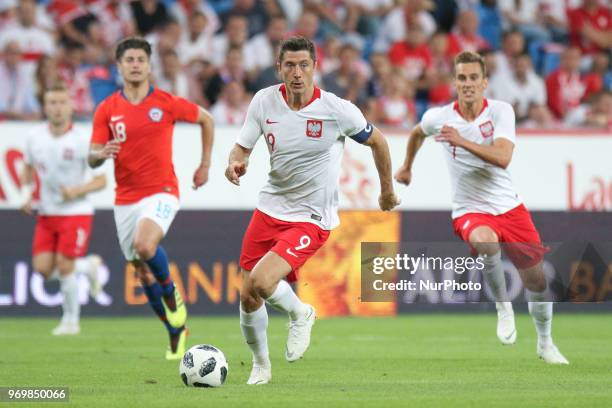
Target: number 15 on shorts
(304,243)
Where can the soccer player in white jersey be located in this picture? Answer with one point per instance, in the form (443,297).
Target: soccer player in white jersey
(57,153)
(305,129)
(478,138)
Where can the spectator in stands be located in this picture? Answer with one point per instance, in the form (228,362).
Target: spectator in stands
(381,68)
(233,69)
(465,35)
(490,22)
(235,35)
(513,45)
(553,15)
(18,97)
(257,14)
(370,14)
(539,117)
(348,81)
(33,40)
(261,46)
(413,56)
(336,17)
(524,16)
(395,26)
(167,37)
(441,86)
(591,27)
(564,86)
(597,114)
(182,9)
(172,78)
(45,76)
(149,15)
(75,75)
(205,85)
(307,26)
(8,11)
(232,107)
(195,42)
(523,89)
(268,76)
(72,20)
(395,107)
(115,20)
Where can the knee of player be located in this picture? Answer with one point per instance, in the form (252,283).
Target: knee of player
(535,281)
(45,269)
(65,266)
(261,284)
(144,249)
(485,241)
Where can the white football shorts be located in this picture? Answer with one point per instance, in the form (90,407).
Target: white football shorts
(160,208)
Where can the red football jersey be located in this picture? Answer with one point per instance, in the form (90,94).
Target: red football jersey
(143,166)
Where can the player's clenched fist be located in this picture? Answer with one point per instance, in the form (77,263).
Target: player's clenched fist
(388,201)
(403,175)
(234,171)
(200,176)
(110,150)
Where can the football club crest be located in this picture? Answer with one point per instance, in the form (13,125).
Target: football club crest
(156,114)
(314,128)
(487,129)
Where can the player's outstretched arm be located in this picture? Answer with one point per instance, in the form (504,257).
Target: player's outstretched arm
(99,153)
(415,141)
(76,192)
(382,159)
(206,122)
(237,163)
(499,153)
(26,180)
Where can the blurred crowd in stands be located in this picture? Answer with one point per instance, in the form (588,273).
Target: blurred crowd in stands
(393,58)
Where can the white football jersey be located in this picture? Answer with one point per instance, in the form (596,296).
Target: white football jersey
(59,162)
(306,149)
(477,186)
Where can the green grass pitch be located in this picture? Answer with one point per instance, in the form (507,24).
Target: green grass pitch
(426,360)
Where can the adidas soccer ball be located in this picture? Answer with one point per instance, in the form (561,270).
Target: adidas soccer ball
(203,366)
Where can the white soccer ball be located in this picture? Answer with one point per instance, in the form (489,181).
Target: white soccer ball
(203,366)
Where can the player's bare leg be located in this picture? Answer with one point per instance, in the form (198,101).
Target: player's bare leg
(44,263)
(268,282)
(486,243)
(153,291)
(541,312)
(254,326)
(69,288)
(147,237)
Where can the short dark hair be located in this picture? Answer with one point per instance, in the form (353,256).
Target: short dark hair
(57,86)
(298,44)
(469,57)
(132,43)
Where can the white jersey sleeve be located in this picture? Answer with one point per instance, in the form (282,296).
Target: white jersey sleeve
(429,122)
(27,153)
(351,121)
(251,129)
(504,122)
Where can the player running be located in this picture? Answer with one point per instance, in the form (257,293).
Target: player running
(478,137)
(57,153)
(134,127)
(305,129)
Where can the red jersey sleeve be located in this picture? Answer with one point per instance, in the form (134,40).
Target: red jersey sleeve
(101,132)
(184,110)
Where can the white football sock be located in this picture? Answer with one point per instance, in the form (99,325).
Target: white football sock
(254,327)
(55,275)
(70,290)
(285,299)
(541,313)
(493,274)
(82,265)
